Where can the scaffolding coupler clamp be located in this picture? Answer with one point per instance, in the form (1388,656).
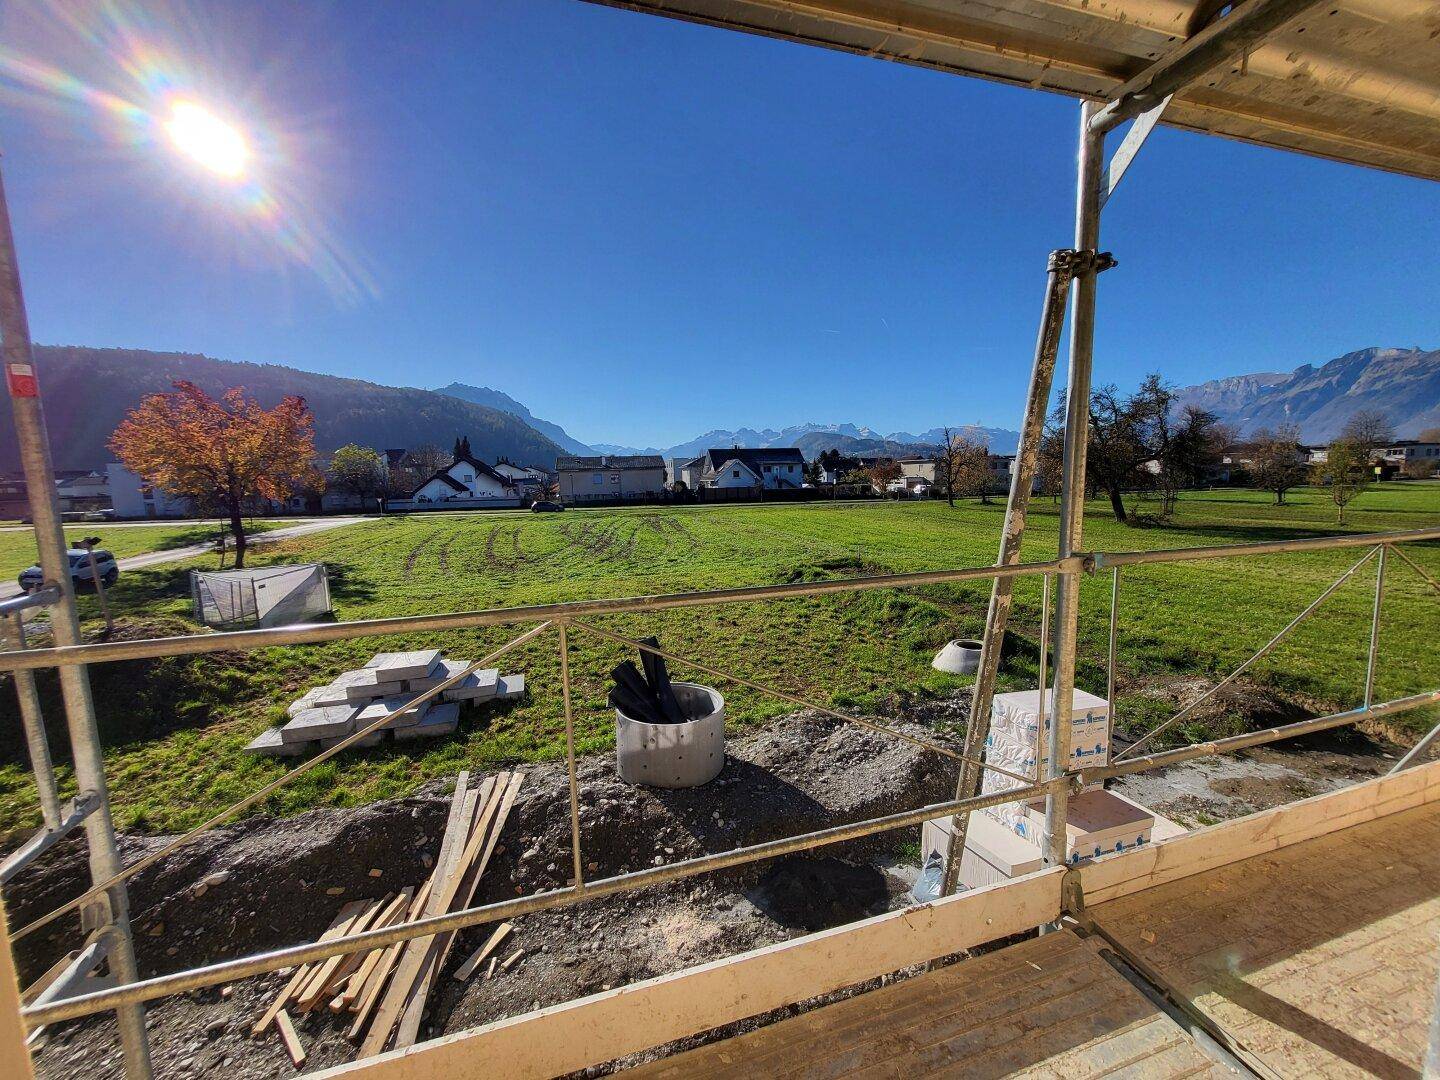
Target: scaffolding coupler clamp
(1075,263)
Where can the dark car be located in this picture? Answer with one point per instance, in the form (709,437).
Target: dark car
(546,507)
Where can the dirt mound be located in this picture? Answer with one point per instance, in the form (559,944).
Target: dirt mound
(1239,707)
(263,883)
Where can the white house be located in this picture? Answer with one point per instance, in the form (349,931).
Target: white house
(133,498)
(523,477)
(465,478)
(775,467)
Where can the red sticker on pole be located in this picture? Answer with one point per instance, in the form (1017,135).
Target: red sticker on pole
(21,380)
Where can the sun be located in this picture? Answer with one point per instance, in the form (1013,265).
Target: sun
(207,140)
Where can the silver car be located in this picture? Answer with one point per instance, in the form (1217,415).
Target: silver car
(80,574)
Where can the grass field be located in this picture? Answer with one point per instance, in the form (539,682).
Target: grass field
(17,549)
(174,728)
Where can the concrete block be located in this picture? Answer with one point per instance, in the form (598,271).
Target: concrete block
(323,697)
(395,666)
(271,744)
(375,738)
(314,724)
(362,693)
(441,720)
(305,701)
(511,686)
(477,686)
(375,710)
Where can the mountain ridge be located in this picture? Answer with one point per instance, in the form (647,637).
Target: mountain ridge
(498,399)
(89,390)
(1404,384)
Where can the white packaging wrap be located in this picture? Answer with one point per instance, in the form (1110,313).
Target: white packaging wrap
(1014,731)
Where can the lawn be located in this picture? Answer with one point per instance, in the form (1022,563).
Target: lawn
(173,728)
(17,549)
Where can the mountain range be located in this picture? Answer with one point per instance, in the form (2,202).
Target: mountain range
(89,390)
(813,438)
(1404,384)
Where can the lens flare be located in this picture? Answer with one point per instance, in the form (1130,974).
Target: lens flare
(116,73)
(203,137)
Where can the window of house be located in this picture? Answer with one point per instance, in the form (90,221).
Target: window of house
(789,468)
(736,474)
(615,478)
(597,478)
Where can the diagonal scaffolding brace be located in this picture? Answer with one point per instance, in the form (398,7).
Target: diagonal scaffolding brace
(1265,649)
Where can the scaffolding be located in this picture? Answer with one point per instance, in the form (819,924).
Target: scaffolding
(1145,61)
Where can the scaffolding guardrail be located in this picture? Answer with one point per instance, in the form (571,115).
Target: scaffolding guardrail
(567,616)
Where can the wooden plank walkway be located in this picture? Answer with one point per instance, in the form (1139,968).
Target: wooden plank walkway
(1318,959)
(1047,1007)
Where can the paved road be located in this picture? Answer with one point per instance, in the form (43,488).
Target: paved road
(170,555)
(153,523)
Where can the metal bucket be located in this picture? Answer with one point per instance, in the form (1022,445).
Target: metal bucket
(674,755)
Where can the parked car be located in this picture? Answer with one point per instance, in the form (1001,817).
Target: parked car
(544,506)
(33,577)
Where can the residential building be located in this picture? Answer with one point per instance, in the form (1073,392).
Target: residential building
(79,490)
(919,468)
(1409,457)
(529,481)
(14,497)
(132,497)
(465,479)
(776,468)
(610,477)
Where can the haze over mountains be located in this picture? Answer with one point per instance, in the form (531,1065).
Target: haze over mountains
(88,391)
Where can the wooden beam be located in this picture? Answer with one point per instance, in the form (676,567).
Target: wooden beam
(602,1027)
(290,1037)
(302,973)
(393,914)
(465,970)
(370,994)
(14,1057)
(488,824)
(412,955)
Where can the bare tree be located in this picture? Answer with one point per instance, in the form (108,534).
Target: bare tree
(962,467)
(1187,451)
(1419,468)
(1430,434)
(880,474)
(1277,461)
(1050,462)
(1346,472)
(1370,429)
(972,467)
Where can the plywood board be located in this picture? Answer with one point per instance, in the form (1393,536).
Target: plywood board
(1319,959)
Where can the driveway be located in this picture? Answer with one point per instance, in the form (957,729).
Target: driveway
(170,555)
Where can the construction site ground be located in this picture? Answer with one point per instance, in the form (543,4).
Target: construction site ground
(264,883)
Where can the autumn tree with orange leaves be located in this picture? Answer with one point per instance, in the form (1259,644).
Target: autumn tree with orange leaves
(221,453)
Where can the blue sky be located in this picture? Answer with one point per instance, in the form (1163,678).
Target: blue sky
(644,229)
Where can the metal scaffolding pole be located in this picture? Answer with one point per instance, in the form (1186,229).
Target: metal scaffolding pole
(111,912)
(1061,269)
(1072,498)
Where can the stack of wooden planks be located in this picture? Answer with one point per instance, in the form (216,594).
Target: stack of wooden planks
(386,988)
